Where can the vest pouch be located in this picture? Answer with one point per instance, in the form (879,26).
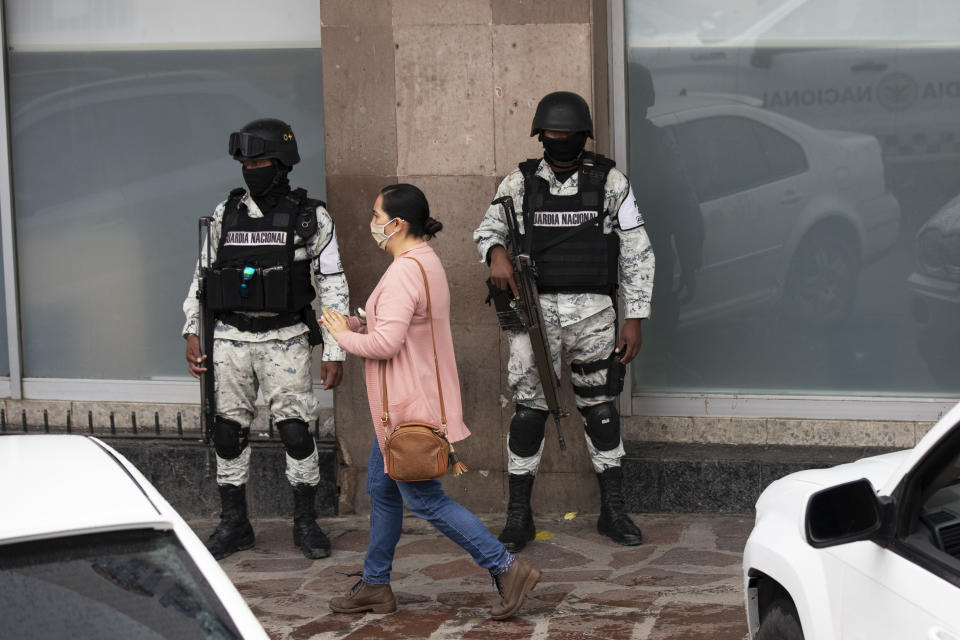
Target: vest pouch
(239,293)
(276,285)
(214,288)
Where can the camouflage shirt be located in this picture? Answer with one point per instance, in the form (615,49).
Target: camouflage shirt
(623,218)
(329,281)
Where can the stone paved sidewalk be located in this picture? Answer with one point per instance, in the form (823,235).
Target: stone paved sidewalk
(683,583)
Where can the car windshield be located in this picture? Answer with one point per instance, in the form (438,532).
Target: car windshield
(120,585)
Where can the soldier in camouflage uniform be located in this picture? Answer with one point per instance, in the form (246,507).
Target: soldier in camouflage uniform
(587,239)
(269,246)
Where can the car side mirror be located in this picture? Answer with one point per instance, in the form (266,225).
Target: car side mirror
(845,513)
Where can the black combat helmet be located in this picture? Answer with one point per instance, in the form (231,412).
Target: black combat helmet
(562,111)
(265,138)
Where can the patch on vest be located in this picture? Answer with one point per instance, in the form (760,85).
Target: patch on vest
(330,258)
(562,218)
(629,215)
(255,238)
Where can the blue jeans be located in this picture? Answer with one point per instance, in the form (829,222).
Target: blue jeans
(428,501)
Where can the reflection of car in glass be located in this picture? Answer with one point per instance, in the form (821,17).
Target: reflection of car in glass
(936,292)
(883,67)
(110,177)
(90,550)
(869,549)
(789,211)
(936,282)
(645,23)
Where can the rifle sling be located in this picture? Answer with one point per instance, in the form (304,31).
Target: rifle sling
(569,234)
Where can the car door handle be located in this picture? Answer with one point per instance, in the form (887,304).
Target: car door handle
(791,197)
(936,633)
(710,55)
(870,65)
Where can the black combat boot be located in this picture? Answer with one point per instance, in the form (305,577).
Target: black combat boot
(234,532)
(614,521)
(519,529)
(306,533)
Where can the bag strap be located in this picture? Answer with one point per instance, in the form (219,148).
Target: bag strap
(384,417)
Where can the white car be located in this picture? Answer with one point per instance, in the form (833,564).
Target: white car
(90,550)
(790,212)
(866,550)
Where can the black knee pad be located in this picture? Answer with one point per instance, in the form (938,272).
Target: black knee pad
(229,439)
(603,425)
(296,437)
(526,430)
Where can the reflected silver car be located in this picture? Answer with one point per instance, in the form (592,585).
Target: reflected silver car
(936,282)
(935,285)
(790,212)
(882,67)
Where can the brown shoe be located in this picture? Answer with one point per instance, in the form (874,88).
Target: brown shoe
(363,597)
(513,586)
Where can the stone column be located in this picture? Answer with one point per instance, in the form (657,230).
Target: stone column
(441,94)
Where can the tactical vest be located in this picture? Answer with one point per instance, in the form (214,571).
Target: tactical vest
(564,234)
(254,269)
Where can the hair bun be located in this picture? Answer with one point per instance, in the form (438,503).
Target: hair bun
(431,226)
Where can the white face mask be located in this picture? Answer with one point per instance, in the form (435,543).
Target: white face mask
(376,230)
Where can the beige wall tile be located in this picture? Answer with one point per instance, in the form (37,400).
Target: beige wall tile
(657,429)
(359,100)
(540,11)
(444,107)
(841,433)
(564,491)
(921,429)
(56,414)
(459,203)
(900,435)
(486,446)
(730,430)
(441,12)
(575,459)
(794,432)
(485,491)
(336,13)
(122,411)
(477,346)
(350,202)
(355,432)
(531,61)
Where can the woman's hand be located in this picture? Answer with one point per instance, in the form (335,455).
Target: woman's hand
(335,322)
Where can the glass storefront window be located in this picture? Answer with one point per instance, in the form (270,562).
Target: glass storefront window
(116,155)
(4,347)
(821,142)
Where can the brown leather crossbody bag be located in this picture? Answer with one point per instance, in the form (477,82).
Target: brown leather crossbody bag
(416,451)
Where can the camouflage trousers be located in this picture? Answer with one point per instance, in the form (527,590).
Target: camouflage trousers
(280,370)
(589,340)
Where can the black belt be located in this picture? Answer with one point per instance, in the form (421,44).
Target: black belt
(260,323)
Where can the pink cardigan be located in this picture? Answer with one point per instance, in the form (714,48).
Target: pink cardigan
(398,331)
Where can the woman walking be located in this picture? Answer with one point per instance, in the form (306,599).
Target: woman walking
(397,330)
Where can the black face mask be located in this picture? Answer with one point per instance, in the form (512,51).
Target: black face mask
(564,152)
(261,180)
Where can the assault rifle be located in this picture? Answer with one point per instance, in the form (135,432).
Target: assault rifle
(531,315)
(207,322)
